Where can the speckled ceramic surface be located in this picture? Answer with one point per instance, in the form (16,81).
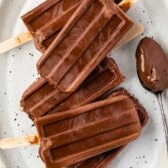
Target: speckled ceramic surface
(18,70)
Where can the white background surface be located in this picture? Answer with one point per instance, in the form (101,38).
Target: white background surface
(18,70)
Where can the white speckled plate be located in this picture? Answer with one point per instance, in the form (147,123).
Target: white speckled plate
(18,70)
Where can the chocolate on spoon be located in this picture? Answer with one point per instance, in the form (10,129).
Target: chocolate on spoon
(152,68)
(152,65)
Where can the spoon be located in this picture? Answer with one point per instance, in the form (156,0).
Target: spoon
(152,69)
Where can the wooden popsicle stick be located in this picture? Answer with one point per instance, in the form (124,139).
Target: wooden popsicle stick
(26,37)
(19,142)
(15,42)
(129,3)
(134,32)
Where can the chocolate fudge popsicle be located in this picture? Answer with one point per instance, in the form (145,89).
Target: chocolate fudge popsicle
(91,32)
(104,125)
(42,99)
(46,20)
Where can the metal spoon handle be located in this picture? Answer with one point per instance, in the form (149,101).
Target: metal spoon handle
(164,119)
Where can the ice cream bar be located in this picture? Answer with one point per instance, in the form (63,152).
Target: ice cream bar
(41,98)
(92,31)
(86,131)
(46,20)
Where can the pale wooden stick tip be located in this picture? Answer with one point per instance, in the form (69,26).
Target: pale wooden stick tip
(23,37)
(130,2)
(15,42)
(9,143)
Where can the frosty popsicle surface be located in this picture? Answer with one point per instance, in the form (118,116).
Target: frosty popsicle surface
(41,98)
(92,31)
(89,130)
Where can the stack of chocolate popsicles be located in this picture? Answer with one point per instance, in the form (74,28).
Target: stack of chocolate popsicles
(74,129)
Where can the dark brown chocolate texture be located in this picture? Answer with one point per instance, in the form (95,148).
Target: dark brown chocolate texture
(104,159)
(46,20)
(152,65)
(104,125)
(143,116)
(100,161)
(79,49)
(43,99)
